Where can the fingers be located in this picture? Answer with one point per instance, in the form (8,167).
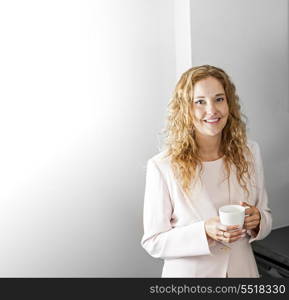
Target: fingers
(230,236)
(252,222)
(252,210)
(230,239)
(227,228)
(219,232)
(234,234)
(251,218)
(242,203)
(252,225)
(221,227)
(234,239)
(248,211)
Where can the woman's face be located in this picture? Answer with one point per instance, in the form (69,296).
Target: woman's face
(210,107)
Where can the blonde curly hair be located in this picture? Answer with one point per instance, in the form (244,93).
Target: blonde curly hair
(180,142)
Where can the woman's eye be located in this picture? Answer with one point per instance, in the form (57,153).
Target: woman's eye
(200,102)
(220,99)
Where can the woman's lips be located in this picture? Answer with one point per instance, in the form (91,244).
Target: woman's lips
(213,121)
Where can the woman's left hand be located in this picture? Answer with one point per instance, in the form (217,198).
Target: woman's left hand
(252,221)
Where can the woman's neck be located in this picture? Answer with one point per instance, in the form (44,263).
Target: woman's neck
(209,147)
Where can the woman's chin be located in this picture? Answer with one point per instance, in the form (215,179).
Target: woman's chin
(212,133)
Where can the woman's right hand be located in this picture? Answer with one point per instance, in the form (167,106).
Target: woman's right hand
(222,233)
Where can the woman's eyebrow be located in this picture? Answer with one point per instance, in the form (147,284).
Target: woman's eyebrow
(221,94)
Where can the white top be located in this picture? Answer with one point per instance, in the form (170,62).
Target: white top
(215,183)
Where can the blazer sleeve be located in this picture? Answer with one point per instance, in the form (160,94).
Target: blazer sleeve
(262,199)
(160,239)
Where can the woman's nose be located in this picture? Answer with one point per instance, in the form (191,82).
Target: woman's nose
(211,108)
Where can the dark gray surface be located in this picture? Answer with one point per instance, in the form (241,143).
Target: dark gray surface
(275,246)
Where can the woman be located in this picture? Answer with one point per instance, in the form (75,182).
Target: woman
(207,163)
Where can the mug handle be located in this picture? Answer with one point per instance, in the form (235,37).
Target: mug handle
(245,208)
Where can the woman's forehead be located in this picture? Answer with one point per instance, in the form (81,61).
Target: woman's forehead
(208,87)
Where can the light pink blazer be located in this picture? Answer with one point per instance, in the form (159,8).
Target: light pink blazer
(174,224)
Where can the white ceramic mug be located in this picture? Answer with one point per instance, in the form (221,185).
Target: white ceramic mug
(232,215)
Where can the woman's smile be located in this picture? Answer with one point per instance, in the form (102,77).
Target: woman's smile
(212,121)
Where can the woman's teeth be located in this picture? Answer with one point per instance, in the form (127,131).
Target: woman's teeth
(212,120)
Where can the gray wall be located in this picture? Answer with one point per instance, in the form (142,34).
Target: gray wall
(249,40)
(84,88)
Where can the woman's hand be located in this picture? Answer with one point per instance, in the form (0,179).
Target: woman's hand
(252,221)
(221,233)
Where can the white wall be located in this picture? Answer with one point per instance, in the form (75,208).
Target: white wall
(249,40)
(84,88)
(183,36)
